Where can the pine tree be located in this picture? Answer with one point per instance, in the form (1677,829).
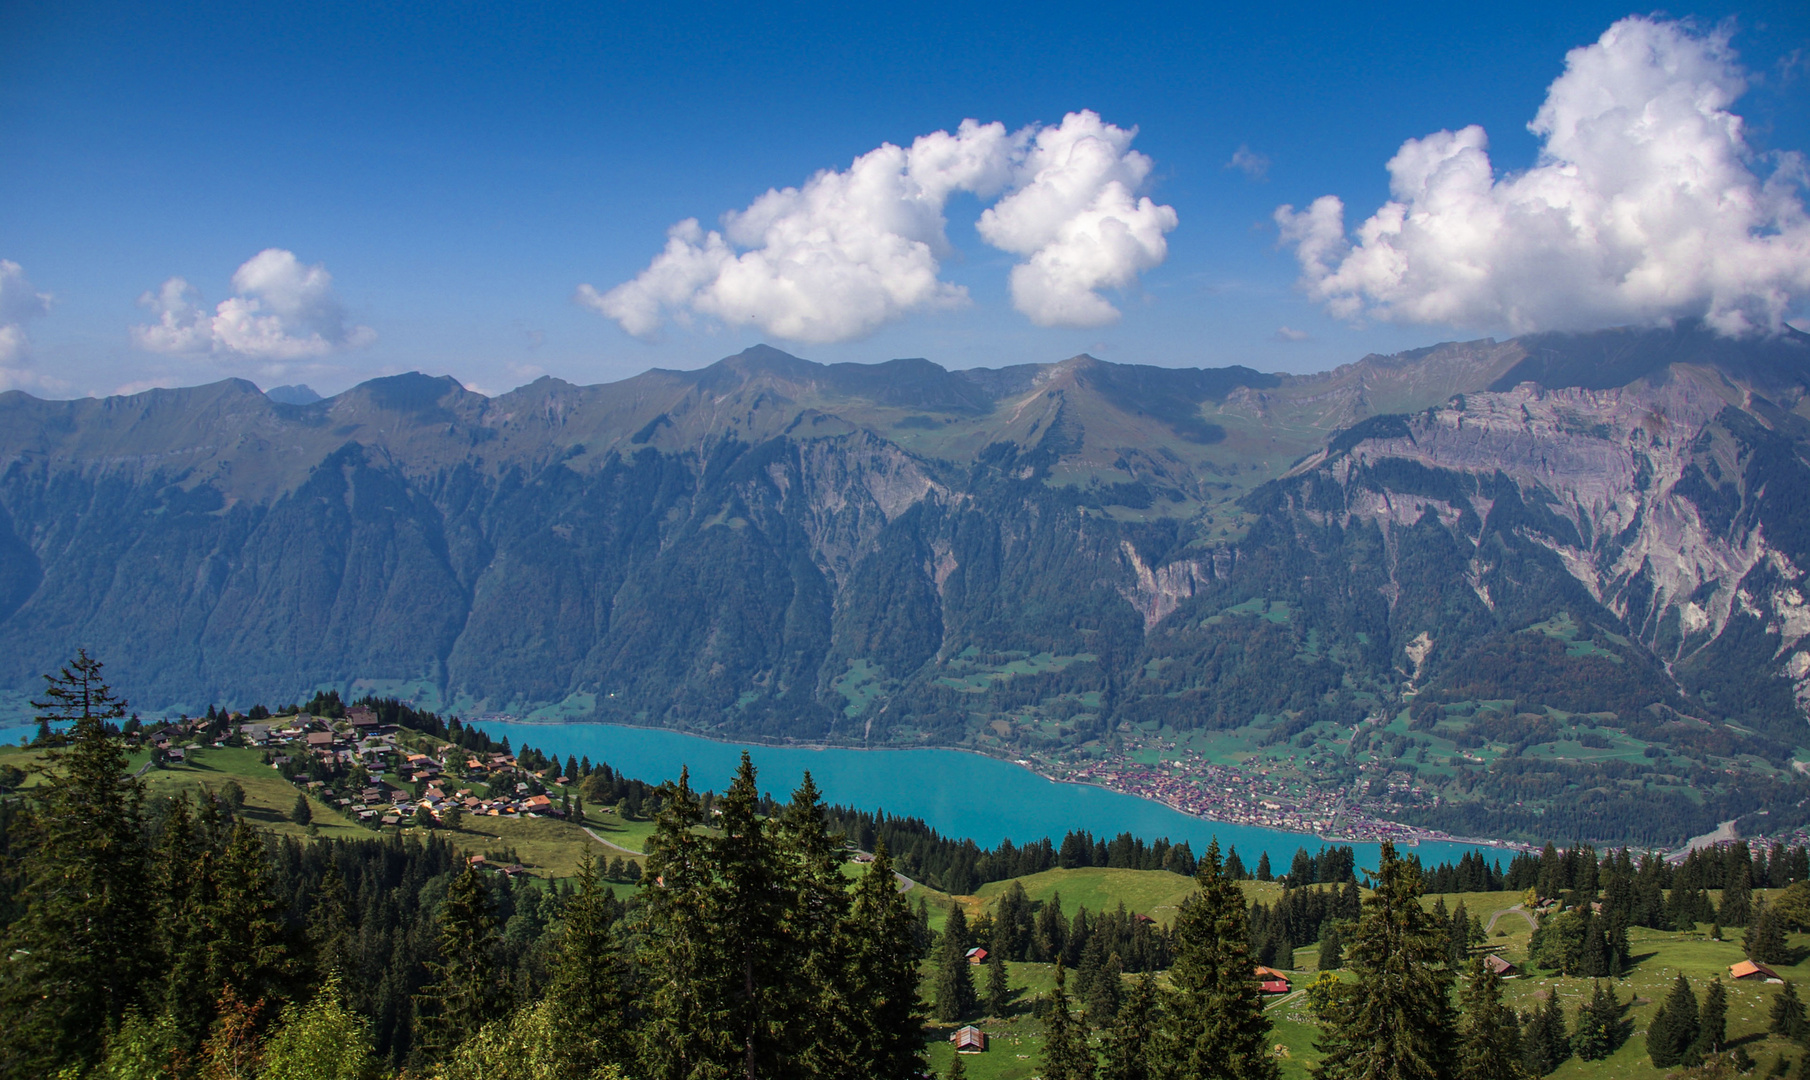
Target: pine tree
(882,976)
(301,813)
(999,994)
(1394,1022)
(1598,1019)
(77,955)
(1764,941)
(1332,949)
(1127,1044)
(1545,1044)
(957,1070)
(1213,1022)
(1737,894)
(586,1003)
(1065,1052)
(1712,1022)
(1489,1036)
(1788,1018)
(955,997)
(1674,1028)
(1104,996)
(248,945)
(465,994)
(814,922)
(747,913)
(1458,938)
(1263,868)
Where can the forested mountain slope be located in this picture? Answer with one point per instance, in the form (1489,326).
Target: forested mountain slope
(1500,535)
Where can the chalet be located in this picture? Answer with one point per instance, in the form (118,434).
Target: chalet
(969,1040)
(1271,981)
(977,955)
(320,740)
(1502,968)
(1751,972)
(539,804)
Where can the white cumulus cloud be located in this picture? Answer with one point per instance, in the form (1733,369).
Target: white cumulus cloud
(1644,206)
(852,250)
(20,302)
(281,311)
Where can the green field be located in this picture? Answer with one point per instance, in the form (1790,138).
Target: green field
(1156,893)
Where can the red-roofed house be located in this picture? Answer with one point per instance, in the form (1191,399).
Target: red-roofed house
(1271,981)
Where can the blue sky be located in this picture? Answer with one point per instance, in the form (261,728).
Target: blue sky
(459,170)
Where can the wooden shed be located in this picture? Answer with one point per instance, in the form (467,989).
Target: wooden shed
(969,1040)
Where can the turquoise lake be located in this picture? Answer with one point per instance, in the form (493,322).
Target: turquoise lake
(958,794)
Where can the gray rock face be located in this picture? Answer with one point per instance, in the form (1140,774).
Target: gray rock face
(771,546)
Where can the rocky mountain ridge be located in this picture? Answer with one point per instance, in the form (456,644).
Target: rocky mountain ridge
(1065,559)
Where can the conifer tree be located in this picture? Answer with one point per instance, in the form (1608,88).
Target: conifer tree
(1737,894)
(747,913)
(586,1003)
(1394,1021)
(1489,1036)
(1598,1021)
(1213,1022)
(1127,1044)
(813,925)
(1106,992)
(999,993)
(1332,949)
(465,994)
(882,979)
(954,975)
(1787,1017)
(676,938)
(1712,1022)
(957,1070)
(248,946)
(1673,1029)
(301,813)
(1764,941)
(1066,1055)
(330,925)
(78,955)
(1458,938)
(1545,1044)
(1263,868)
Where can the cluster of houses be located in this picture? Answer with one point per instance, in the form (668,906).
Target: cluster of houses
(341,748)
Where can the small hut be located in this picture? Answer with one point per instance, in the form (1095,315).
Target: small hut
(969,1040)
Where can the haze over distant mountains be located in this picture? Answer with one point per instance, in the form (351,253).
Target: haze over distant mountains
(1031,556)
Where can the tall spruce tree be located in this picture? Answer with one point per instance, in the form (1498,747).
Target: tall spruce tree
(1126,1046)
(954,986)
(1764,941)
(1598,1024)
(1393,1022)
(1489,1036)
(747,912)
(1066,1055)
(1213,1022)
(1544,1041)
(1712,1022)
(1787,1015)
(1673,1029)
(678,940)
(1332,949)
(586,1002)
(465,993)
(78,955)
(1737,894)
(882,976)
(999,991)
(814,924)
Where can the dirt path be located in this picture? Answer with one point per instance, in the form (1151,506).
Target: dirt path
(1532,923)
(612,847)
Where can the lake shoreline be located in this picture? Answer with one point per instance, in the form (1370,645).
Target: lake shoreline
(1403,836)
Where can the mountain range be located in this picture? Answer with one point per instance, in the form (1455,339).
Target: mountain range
(1527,576)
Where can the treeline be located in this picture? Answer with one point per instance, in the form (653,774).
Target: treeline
(171,938)
(962,866)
